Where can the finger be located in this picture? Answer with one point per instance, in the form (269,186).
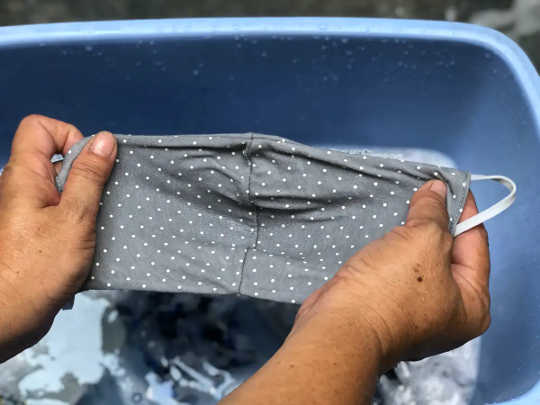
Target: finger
(87,177)
(40,136)
(29,172)
(428,204)
(471,248)
(57,166)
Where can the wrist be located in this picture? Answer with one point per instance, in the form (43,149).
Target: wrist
(328,358)
(348,309)
(22,324)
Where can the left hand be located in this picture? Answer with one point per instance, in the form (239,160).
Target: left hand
(47,239)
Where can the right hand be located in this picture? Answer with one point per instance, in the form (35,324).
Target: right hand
(418,289)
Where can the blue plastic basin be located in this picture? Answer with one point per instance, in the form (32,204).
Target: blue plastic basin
(466,91)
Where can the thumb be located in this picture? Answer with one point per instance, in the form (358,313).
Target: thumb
(428,204)
(87,177)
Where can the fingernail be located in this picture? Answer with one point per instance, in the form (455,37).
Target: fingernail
(103,144)
(438,187)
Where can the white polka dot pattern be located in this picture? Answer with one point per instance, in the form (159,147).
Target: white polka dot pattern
(246,213)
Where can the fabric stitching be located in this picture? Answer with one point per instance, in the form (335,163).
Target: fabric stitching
(247,154)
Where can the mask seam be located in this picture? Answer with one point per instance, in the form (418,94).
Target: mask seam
(251,203)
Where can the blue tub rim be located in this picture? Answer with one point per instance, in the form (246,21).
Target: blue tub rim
(92,32)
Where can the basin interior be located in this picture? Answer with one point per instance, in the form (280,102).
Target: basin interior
(460,99)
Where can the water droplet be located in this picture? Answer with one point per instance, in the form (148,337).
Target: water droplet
(344,40)
(264,54)
(88,48)
(195,72)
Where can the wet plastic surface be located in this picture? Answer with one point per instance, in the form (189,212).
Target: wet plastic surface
(466,91)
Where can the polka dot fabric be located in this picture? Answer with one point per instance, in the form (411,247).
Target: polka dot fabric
(253,214)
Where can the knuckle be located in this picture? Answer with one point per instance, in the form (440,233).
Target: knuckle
(403,233)
(484,233)
(77,212)
(427,198)
(349,272)
(435,200)
(435,204)
(351,268)
(485,324)
(433,231)
(8,169)
(88,170)
(426,233)
(31,118)
(71,129)
(426,229)
(483,317)
(486,306)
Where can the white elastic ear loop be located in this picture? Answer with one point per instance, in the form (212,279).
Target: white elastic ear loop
(492,211)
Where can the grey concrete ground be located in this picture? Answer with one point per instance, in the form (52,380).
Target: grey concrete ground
(518,18)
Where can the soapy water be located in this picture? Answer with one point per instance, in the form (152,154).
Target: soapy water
(155,348)
(88,359)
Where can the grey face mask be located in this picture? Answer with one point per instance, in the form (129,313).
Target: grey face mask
(252,214)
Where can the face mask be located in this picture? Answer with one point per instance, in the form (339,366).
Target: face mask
(252,214)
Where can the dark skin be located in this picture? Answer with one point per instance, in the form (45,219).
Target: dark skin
(413,293)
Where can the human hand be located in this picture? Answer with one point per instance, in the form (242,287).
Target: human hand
(418,290)
(47,239)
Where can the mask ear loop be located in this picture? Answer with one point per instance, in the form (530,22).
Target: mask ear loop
(492,211)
